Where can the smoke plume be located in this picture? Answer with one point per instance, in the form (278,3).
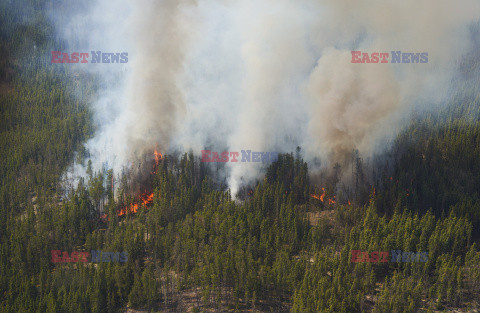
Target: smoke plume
(353,104)
(268,75)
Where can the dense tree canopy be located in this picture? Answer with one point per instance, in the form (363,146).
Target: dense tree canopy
(274,248)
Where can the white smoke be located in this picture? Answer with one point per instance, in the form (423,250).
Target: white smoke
(266,75)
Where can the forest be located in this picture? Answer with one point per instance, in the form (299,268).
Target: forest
(281,245)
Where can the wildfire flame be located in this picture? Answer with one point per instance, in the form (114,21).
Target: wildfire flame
(158,156)
(328,200)
(146,199)
(322,197)
(319,197)
(331,201)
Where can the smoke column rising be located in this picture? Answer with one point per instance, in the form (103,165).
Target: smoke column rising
(275,58)
(155,104)
(271,75)
(353,104)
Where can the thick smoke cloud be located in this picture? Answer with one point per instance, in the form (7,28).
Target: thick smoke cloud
(140,105)
(155,104)
(352,105)
(347,103)
(268,75)
(272,116)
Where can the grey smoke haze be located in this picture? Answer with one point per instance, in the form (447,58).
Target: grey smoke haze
(353,104)
(142,105)
(267,75)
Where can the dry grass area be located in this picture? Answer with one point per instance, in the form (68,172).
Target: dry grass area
(314,217)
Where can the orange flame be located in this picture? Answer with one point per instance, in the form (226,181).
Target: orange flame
(320,197)
(158,156)
(146,199)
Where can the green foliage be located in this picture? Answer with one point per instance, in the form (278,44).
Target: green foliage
(195,241)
